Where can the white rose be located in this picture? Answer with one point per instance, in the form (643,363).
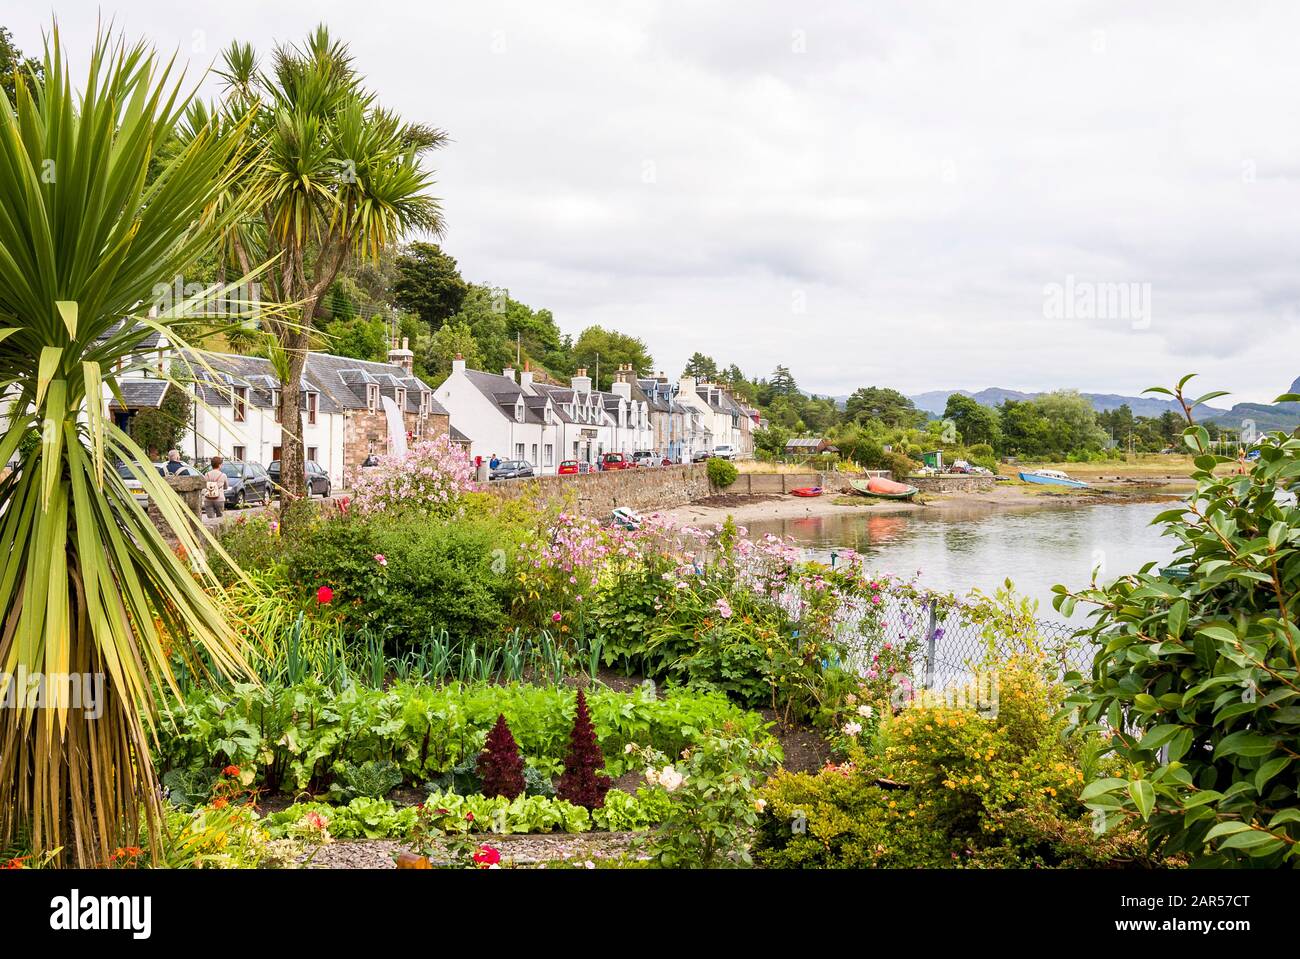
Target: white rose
(670,778)
(852,728)
(865,711)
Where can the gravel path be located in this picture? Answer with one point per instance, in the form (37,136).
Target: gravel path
(516,850)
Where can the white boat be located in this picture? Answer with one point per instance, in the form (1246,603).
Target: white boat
(1052,478)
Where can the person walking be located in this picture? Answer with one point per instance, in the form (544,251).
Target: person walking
(174,464)
(214,490)
(494,462)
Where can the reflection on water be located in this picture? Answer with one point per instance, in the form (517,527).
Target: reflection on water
(958,550)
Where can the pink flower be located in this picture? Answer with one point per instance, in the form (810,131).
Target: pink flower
(381,559)
(556,616)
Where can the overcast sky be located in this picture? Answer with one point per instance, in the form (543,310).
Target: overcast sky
(869,193)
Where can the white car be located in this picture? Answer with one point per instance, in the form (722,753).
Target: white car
(725,451)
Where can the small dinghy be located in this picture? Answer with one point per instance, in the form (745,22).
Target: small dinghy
(883,488)
(807,491)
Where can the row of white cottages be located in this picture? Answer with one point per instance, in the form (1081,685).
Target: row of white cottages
(511,415)
(516,415)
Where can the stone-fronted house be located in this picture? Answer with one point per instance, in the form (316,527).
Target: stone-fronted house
(344,403)
(678,429)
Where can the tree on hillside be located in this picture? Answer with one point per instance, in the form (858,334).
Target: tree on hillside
(427,283)
(782,382)
(335,176)
(613,349)
(436,351)
(701,367)
(975,422)
(881,403)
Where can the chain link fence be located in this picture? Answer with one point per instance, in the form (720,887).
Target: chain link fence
(951,642)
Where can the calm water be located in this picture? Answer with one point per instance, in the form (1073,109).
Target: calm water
(1036,548)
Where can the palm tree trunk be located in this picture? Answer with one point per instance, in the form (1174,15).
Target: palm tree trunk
(293,476)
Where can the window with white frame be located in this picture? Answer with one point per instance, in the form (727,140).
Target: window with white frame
(548,455)
(313,403)
(372,397)
(275,404)
(241,406)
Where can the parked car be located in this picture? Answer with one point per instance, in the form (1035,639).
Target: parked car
(616,461)
(701,455)
(246,483)
(647,458)
(318,481)
(726,451)
(512,469)
(133,484)
(569,468)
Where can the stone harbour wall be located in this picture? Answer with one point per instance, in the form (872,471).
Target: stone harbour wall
(597,494)
(953,483)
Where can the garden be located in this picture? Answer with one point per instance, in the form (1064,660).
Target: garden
(424,675)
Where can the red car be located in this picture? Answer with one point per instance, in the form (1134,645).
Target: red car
(568,468)
(616,461)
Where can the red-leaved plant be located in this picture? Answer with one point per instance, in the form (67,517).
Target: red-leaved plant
(499,765)
(582,782)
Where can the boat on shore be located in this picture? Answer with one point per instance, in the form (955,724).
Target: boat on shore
(883,488)
(807,491)
(1051,478)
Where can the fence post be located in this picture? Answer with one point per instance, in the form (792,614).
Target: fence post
(929,645)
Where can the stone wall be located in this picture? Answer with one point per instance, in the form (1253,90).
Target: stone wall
(598,494)
(764,484)
(190,490)
(953,483)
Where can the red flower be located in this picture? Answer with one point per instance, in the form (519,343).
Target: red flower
(486,856)
(469,816)
(230,771)
(324,595)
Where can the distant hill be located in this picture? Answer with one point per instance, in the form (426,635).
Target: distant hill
(1280,416)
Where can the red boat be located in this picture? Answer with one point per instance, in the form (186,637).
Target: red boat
(807,491)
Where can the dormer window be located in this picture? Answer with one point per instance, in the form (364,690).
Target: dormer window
(241,404)
(275,404)
(313,403)
(519,411)
(401,400)
(372,397)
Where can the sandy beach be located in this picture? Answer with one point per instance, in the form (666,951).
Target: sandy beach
(1011,495)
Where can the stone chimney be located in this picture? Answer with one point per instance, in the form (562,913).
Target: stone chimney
(581,382)
(686,385)
(458,364)
(526,377)
(509,373)
(402,355)
(625,374)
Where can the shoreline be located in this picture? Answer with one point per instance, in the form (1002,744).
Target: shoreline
(757,508)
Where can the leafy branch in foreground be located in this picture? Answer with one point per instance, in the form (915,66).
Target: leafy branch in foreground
(1198,672)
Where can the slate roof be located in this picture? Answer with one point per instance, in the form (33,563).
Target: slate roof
(339,381)
(140,394)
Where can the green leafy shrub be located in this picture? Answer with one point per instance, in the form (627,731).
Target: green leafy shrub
(433,576)
(722,473)
(1198,667)
(712,804)
(942,785)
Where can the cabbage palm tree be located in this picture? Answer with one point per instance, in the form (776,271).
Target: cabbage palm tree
(92,218)
(334,176)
